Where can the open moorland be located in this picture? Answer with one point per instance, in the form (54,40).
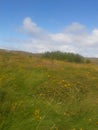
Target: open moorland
(38,93)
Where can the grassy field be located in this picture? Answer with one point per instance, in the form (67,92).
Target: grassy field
(45,94)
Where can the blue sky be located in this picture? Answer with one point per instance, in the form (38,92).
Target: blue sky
(49,25)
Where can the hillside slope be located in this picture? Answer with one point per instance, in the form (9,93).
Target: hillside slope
(42,94)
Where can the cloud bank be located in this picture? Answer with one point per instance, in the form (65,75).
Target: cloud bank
(73,38)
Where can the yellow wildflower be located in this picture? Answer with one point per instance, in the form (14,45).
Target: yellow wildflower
(96,123)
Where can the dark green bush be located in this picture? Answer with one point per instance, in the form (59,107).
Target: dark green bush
(64,56)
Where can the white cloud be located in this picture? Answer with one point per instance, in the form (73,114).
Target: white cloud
(60,37)
(29,27)
(75,28)
(74,38)
(92,39)
(77,36)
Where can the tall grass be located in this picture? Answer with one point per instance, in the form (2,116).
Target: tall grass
(41,94)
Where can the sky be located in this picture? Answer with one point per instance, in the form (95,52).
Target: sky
(50,25)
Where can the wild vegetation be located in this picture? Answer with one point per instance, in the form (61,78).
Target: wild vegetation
(64,56)
(43,94)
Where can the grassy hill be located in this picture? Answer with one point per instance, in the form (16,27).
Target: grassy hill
(45,94)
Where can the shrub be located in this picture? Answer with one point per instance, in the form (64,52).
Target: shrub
(70,57)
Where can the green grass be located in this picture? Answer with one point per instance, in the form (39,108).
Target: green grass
(43,94)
